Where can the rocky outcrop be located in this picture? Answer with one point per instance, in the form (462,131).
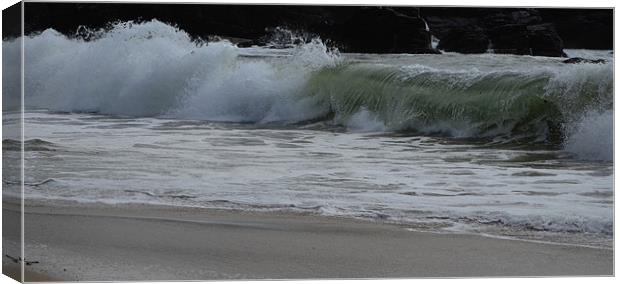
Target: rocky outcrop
(350,28)
(464,40)
(510,38)
(579,60)
(582,28)
(539,32)
(381,30)
(545,41)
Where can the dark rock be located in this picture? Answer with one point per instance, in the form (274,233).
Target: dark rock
(384,30)
(464,40)
(351,28)
(512,31)
(12,21)
(516,30)
(526,16)
(582,28)
(544,41)
(409,11)
(537,40)
(511,38)
(440,26)
(577,60)
(501,17)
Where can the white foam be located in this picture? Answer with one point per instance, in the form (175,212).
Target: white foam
(407,179)
(153,69)
(592,138)
(365,121)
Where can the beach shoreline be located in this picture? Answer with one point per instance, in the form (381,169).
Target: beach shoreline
(174,243)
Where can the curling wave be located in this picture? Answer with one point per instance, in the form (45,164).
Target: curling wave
(153,69)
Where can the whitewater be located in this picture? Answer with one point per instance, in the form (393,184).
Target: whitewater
(505,145)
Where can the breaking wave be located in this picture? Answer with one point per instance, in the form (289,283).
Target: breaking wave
(153,69)
(592,137)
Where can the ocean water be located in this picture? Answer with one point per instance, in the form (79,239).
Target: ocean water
(502,145)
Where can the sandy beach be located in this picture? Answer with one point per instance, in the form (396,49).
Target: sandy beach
(165,243)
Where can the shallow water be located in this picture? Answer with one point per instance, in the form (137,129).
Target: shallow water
(425,182)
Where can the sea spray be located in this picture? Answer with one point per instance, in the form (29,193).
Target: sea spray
(364,121)
(153,69)
(592,138)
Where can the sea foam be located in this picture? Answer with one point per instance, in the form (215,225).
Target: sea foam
(152,69)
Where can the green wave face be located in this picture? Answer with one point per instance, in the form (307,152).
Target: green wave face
(436,102)
(158,71)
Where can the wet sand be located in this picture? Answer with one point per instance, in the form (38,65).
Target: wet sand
(161,243)
(13,271)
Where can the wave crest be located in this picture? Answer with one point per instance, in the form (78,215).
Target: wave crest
(153,69)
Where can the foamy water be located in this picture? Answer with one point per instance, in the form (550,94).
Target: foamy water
(501,144)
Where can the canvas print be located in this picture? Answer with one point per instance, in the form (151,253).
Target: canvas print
(150,141)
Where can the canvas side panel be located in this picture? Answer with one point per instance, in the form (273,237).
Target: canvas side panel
(12,141)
